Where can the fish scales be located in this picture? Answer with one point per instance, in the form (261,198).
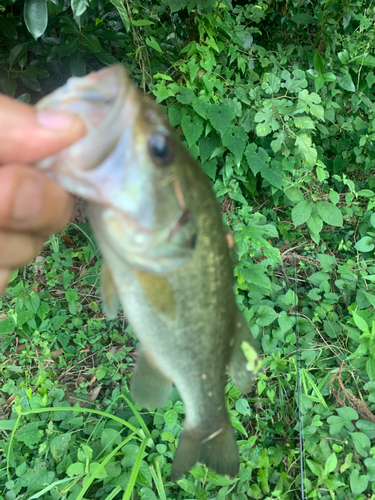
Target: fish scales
(160,231)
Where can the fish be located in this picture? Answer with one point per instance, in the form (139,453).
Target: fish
(167,258)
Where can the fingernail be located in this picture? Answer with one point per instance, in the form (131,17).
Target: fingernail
(55,119)
(4,278)
(28,200)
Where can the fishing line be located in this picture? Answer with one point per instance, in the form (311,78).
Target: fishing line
(298,381)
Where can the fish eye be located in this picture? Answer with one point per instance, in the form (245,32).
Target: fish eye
(161,149)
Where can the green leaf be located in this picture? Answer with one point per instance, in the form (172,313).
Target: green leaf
(318,63)
(257,160)
(358,483)
(266,315)
(79,7)
(69,46)
(36,16)
(6,326)
(119,4)
(207,146)
(75,469)
(304,122)
(235,139)
(273,174)
(370,368)
(32,302)
(319,82)
(304,19)
(243,407)
(309,153)
(365,244)
(294,194)
(329,213)
(334,196)
(170,417)
(361,441)
(266,122)
(151,42)
(77,64)
(91,42)
(344,56)
(346,83)
(331,464)
(7,29)
(142,22)
(192,128)
(101,372)
(30,434)
(301,212)
(209,168)
(315,223)
(367,427)
(17,52)
(220,117)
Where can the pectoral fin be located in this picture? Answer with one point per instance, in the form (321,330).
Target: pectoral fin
(244,362)
(110,298)
(149,387)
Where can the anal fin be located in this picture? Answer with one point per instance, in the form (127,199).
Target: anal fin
(149,386)
(243,367)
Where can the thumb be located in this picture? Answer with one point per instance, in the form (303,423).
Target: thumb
(28,135)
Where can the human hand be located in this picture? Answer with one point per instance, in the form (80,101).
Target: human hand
(31,205)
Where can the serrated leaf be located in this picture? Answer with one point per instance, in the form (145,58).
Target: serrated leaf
(301,212)
(36,16)
(192,128)
(329,213)
(220,117)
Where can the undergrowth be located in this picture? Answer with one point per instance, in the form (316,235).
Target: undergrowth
(276,101)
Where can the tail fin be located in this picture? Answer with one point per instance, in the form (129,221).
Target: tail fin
(217,449)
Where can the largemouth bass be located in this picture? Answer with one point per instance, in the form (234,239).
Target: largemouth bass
(159,228)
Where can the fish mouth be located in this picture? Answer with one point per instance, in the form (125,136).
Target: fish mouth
(104,101)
